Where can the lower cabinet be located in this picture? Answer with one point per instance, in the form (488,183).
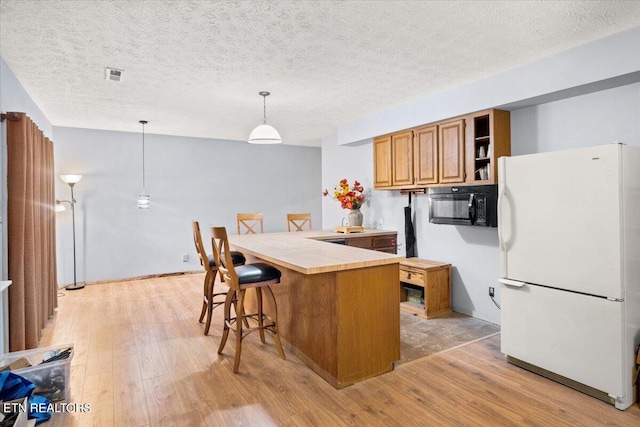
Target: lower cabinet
(434,278)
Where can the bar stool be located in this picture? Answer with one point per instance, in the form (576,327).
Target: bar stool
(258,276)
(248,221)
(211,269)
(299,221)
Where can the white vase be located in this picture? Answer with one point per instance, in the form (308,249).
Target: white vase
(355,217)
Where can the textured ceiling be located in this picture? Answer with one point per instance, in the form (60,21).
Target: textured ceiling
(194,68)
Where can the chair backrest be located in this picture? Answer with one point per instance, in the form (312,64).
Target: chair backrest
(197,240)
(298,221)
(220,244)
(247,223)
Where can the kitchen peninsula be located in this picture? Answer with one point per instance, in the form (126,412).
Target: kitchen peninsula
(338,306)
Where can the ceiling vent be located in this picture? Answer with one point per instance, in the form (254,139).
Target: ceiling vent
(113,74)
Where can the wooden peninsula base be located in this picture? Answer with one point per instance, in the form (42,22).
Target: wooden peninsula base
(344,325)
(338,306)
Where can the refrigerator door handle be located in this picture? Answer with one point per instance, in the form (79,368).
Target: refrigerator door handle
(501,197)
(512,283)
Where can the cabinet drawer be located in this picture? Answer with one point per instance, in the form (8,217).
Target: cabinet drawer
(412,276)
(384,242)
(360,242)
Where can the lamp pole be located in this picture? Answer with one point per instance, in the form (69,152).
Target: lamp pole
(72,180)
(73,222)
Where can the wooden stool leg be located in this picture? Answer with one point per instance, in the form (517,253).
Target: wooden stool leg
(205,297)
(227,318)
(274,317)
(211,284)
(239,317)
(260,314)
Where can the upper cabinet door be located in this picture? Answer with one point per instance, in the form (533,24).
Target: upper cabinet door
(425,155)
(451,148)
(382,162)
(402,158)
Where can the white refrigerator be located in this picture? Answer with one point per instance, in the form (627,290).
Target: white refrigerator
(569,237)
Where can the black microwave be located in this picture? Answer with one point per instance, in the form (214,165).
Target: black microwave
(465,205)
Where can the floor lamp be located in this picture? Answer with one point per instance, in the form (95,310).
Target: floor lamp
(71,180)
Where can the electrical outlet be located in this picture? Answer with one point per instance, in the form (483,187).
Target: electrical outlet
(185,257)
(491,292)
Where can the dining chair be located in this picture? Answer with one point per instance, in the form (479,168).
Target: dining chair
(211,270)
(259,276)
(246,223)
(298,221)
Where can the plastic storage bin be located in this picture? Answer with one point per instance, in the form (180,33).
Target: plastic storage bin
(52,379)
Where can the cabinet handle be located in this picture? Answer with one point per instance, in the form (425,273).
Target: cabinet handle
(408,275)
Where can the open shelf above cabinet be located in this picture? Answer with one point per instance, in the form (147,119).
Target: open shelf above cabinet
(489,136)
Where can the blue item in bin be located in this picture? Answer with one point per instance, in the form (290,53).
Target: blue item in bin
(14,387)
(36,401)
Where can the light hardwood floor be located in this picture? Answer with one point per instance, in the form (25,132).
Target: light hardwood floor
(141,360)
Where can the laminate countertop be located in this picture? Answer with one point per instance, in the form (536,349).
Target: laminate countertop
(307,253)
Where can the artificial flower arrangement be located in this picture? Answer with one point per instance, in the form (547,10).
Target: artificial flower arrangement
(349,197)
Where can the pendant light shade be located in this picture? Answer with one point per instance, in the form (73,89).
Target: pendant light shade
(144,200)
(264,134)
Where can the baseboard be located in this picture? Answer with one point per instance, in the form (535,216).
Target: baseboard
(129,279)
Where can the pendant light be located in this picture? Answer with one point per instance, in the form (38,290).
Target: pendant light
(144,200)
(264,134)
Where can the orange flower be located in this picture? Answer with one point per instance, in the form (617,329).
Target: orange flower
(350,197)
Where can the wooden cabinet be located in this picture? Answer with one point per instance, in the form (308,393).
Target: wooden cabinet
(420,157)
(488,138)
(384,243)
(425,155)
(393,160)
(382,162)
(402,159)
(451,152)
(435,278)
(460,151)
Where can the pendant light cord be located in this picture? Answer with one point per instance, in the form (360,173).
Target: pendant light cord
(144,187)
(264,109)
(264,95)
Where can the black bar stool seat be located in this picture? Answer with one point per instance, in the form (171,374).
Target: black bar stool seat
(258,272)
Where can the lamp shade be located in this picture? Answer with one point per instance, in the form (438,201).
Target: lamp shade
(264,134)
(60,207)
(71,179)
